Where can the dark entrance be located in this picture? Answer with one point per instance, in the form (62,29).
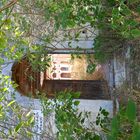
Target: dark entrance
(89,89)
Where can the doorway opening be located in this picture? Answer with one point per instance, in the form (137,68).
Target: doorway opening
(63,73)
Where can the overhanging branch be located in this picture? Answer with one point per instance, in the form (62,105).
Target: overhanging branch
(8,5)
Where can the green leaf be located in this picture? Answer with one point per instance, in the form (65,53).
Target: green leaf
(137,137)
(76,95)
(97,122)
(80,114)
(136,132)
(11,103)
(96,137)
(104,112)
(31,120)
(131,110)
(138,9)
(83,120)
(76,103)
(115,127)
(1,61)
(17,128)
(91,68)
(10,131)
(115,12)
(135,33)
(2,98)
(131,23)
(125,10)
(71,23)
(28,114)
(29,134)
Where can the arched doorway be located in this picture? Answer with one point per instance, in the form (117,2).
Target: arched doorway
(63,74)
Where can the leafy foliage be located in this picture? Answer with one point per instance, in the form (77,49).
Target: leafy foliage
(22,31)
(123,125)
(15,123)
(70,123)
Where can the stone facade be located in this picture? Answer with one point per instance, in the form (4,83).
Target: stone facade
(35,105)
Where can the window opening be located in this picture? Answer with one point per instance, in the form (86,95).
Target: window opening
(65,75)
(64,68)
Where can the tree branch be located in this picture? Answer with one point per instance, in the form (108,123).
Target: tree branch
(8,5)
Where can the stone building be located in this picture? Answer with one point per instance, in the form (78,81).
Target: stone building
(63,73)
